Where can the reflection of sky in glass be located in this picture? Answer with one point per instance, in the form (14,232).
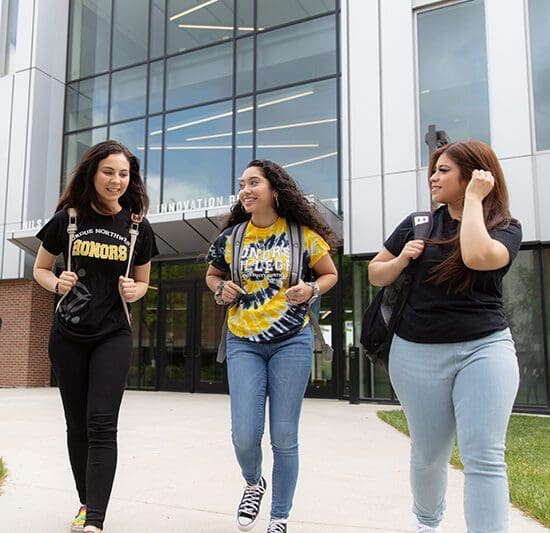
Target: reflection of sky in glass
(87,103)
(300,52)
(539,24)
(128,91)
(300,133)
(131,20)
(270,12)
(199,76)
(154,156)
(452,60)
(243,155)
(131,135)
(90,37)
(196,169)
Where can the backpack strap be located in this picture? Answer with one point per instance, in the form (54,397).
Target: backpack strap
(296,243)
(135,219)
(422,223)
(237,237)
(71,230)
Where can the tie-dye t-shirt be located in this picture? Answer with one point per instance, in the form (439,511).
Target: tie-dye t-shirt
(264,314)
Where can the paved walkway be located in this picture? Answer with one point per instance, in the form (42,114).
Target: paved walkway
(177,473)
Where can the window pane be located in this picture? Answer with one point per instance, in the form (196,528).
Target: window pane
(87,103)
(158,15)
(539,22)
(522,301)
(453,70)
(131,20)
(297,128)
(245,64)
(154,160)
(156,86)
(244,128)
(131,135)
(128,93)
(200,76)
(190,25)
(148,373)
(75,146)
(197,166)
(300,52)
(90,37)
(272,13)
(245,15)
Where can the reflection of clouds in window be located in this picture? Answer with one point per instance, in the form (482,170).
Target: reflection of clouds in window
(10,38)
(453,72)
(539,22)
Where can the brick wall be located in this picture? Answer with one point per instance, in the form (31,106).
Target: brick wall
(26,310)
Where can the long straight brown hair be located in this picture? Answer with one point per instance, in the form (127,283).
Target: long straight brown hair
(469,156)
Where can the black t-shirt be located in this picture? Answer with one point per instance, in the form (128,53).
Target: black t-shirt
(93,308)
(431,315)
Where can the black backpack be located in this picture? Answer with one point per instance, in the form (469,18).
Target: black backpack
(381,317)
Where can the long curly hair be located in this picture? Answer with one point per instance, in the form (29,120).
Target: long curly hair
(469,156)
(80,192)
(292,203)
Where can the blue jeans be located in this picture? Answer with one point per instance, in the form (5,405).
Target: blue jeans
(281,371)
(468,386)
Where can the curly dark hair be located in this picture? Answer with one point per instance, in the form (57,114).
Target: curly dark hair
(80,192)
(292,204)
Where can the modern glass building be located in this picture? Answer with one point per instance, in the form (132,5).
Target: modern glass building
(340,92)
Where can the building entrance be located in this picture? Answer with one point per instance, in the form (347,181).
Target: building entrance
(188,335)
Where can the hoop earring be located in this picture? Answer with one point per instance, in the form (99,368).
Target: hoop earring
(276,196)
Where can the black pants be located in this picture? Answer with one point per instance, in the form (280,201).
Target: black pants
(91,378)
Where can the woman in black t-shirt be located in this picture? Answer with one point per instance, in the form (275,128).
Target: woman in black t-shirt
(90,342)
(452,361)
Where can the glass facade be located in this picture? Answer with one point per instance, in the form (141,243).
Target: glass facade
(8,36)
(452,72)
(539,23)
(196,90)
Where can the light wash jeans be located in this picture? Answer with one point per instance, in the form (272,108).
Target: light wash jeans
(468,386)
(281,371)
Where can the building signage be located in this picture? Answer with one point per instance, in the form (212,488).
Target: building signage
(168,207)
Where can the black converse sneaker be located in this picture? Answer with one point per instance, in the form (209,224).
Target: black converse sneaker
(248,510)
(277,525)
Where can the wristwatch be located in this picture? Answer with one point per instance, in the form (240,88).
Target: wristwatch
(316,291)
(218,293)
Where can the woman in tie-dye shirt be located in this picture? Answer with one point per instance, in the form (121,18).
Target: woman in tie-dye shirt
(269,340)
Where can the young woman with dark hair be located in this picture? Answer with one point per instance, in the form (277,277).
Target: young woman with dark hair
(269,339)
(452,361)
(90,342)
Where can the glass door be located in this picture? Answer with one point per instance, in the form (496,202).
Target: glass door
(176,343)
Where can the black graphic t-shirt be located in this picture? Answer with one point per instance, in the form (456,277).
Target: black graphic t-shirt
(93,308)
(432,314)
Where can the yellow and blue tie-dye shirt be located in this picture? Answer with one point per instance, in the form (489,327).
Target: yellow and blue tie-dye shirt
(264,314)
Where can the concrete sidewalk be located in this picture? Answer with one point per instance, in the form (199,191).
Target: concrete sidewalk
(177,472)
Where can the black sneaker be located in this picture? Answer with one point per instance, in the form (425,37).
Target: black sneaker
(248,510)
(277,525)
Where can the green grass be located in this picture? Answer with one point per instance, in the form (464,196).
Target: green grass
(3,473)
(527,456)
